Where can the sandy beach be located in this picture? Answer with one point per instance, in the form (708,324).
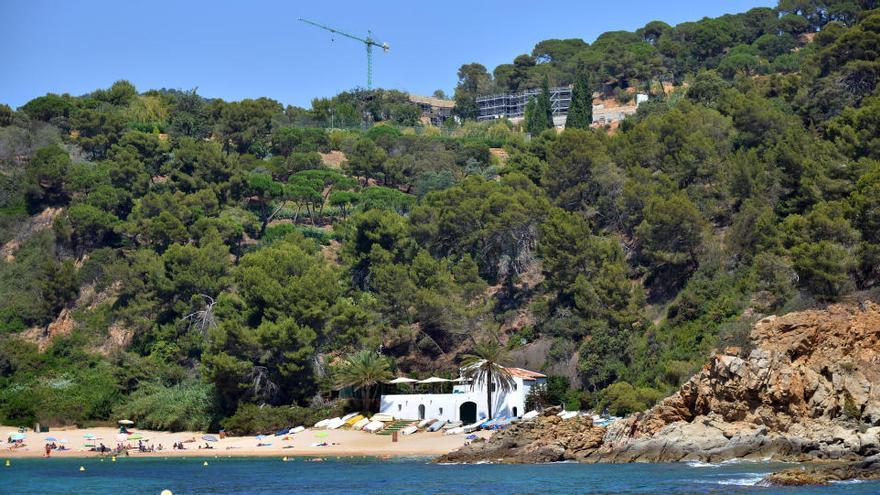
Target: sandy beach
(340,443)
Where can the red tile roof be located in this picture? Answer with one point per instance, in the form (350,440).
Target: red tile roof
(525,374)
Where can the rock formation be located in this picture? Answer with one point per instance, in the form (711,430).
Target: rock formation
(808,390)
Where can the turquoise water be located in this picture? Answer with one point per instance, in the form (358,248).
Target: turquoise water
(260,476)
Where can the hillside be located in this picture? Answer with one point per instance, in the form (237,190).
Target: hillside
(164,248)
(808,390)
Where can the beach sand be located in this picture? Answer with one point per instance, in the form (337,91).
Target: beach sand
(349,443)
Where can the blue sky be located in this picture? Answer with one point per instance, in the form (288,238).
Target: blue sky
(246,49)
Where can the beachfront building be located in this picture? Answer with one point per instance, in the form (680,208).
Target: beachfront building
(466,403)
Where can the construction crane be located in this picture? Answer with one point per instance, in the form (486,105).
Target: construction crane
(369,42)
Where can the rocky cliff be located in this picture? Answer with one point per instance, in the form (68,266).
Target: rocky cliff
(808,389)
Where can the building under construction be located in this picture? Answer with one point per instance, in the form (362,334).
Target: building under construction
(513,106)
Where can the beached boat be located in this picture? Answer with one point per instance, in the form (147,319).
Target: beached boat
(349,416)
(409,430)
(335,424)
(471,427)
(436,425)
(353,420)
(322,423)
(298,429)
(374,426)
(454,424)
(530,415)
(360,424)
(385,418)
(458,430)
(426,423)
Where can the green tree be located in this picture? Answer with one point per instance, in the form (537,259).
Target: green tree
(580,110)
(363,371)
(483,368)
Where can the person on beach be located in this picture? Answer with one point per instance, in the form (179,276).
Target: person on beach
(48,450)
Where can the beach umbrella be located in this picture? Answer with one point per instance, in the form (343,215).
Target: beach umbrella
(63,440)
(126,422)
(402,379)
(434,379)
(136,436)
(17,436)
(210,438)
(321,434)
(89,436)
(51,439)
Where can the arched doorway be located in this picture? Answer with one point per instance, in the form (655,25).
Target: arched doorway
(515,410)
(467,412)
(421,411)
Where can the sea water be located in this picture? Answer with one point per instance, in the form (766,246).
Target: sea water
(359,476)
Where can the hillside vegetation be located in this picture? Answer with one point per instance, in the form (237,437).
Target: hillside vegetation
(161,248)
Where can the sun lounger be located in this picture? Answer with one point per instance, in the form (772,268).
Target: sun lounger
(426,423)
(409,430)
(436,425)
(374,426)
(360,424)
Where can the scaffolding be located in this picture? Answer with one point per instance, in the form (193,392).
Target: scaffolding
(513,105)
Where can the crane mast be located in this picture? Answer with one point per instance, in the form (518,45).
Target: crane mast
(369,42)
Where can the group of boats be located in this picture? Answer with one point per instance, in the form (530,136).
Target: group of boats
(386,422)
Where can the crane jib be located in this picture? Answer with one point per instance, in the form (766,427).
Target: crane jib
(369,42)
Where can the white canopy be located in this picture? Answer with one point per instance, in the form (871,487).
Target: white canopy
(434,379)
(402,379)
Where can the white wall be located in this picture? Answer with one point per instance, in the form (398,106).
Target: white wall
(447,406)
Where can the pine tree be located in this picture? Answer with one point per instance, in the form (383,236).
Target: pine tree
(580,112)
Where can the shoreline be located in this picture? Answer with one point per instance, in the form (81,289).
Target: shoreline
(340,443)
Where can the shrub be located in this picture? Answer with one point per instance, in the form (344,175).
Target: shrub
(252,419)
(182,407)
(621,398)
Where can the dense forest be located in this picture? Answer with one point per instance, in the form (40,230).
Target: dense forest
(197,263)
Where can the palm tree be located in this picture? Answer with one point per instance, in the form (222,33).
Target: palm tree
(363,371)
(484,367)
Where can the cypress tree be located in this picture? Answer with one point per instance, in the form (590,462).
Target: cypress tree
(580,112)
(539,113)
(532,124)
(544,109)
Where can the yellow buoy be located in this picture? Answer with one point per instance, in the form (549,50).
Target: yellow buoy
(8,463)
(166,492)
(205,463)
(113,459)
(284,459)
(82,468)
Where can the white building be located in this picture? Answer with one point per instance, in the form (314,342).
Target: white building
(465,404)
